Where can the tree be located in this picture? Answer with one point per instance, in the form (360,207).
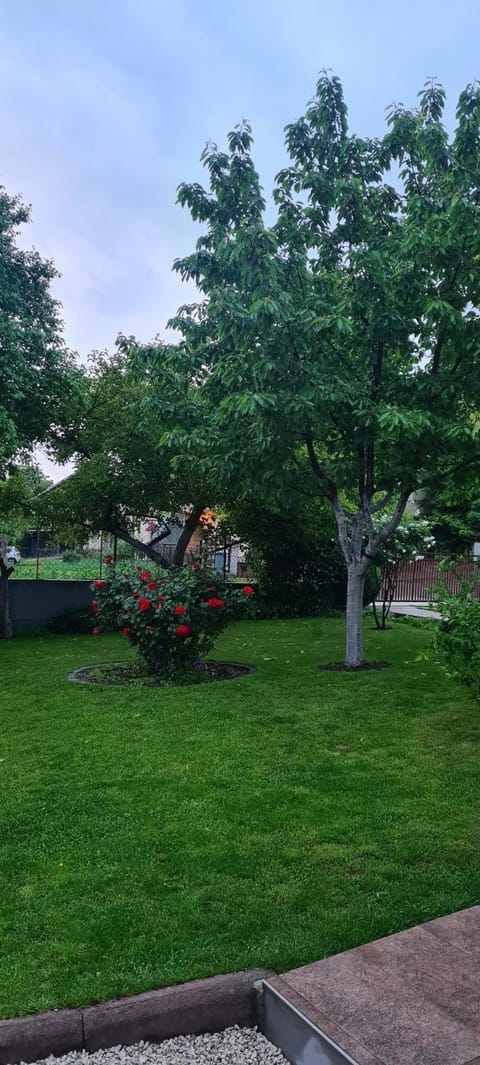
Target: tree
(36,372)
(411,539)
(123,474)
(453,511)
(350,327)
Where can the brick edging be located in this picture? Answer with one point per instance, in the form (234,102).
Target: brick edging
(199,1006)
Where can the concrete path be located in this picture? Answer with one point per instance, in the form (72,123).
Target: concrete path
(410,999)
(414,610)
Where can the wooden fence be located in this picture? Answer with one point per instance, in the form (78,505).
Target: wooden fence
(416,581)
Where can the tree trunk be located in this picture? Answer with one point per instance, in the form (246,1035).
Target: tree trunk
(186,534)
(6,627)
(354,641)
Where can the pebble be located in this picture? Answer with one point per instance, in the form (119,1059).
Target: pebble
(234,1046)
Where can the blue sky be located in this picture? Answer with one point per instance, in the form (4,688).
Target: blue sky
(106,106)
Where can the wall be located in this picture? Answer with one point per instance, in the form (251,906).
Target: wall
(34,603)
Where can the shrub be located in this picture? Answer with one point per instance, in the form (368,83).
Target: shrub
(71,556)
(172,619)
(457,639)
(71,621)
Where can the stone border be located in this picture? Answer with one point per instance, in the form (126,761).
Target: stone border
(248,672)
(199,1006)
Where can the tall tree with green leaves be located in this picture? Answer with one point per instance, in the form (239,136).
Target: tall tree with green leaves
(350,327)
(36,372)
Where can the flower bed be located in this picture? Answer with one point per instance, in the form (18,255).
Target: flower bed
(173,619)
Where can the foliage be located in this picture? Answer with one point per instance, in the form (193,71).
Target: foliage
(159,835)
(21,483)
(174,619)
(458,636)
(411,539)
(453,511)
(37,376)
(295,558)
(350,327)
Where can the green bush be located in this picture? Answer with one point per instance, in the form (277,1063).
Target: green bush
(72,621)
(458,635)
(71,556)
(172,619)
(457,639)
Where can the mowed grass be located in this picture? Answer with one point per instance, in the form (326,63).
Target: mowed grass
(151,836)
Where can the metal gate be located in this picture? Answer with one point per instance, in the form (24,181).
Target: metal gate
(416,581)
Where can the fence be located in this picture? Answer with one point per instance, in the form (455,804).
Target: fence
(415,581)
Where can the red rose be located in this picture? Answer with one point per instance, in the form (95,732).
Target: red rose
(247,590)
(108,559)
(95,632)
(161,598)
(216,604)
(143,604)
(136,595)
(125,631)
(182,630)
(158,606)
(149,628)
(94,606)
(145,576)
(151,586)
(98,584)
(179,610)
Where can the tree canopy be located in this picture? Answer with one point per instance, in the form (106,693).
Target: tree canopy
(125,470)
(349,329)
(36,372)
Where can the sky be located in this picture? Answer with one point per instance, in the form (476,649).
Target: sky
(107,105)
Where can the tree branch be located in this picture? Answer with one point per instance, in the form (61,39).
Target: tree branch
(330,489)
(397,515)
(138,545)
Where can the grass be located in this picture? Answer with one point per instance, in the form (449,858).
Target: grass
(55,569)
(149,837)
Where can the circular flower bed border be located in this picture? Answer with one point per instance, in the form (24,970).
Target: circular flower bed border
(126,677)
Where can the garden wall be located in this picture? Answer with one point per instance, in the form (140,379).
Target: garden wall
(35,603)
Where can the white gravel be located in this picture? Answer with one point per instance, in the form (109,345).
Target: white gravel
(234,1046)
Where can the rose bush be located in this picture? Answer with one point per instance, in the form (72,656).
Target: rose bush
(172,619)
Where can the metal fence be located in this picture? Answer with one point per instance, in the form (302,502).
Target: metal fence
(416,581)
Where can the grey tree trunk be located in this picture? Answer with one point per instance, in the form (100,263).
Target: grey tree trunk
(354,635)
(6,627)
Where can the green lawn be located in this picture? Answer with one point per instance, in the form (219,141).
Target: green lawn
(152,836)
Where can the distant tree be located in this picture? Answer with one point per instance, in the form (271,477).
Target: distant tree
(350,327)
(411,540)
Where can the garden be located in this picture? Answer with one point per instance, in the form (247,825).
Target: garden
(149,836)
(222,774)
